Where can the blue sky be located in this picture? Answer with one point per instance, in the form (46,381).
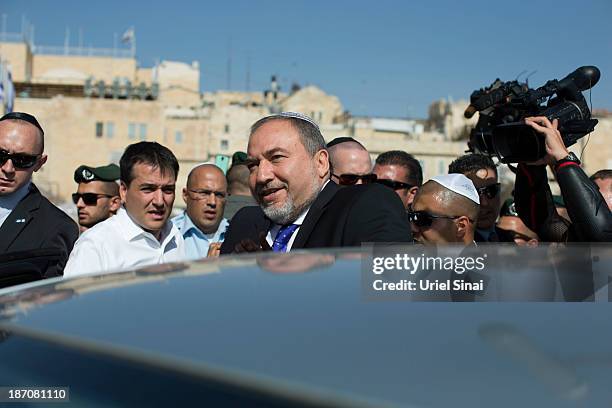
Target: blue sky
(389,58)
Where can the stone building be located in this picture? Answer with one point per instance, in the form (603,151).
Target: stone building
(92,103)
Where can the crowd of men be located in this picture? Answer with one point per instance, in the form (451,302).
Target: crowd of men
(291,190)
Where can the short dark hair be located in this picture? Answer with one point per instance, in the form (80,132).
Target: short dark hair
(601,174)
(310,135)
(151,153)
(401,158)
(343,139)
(471,163)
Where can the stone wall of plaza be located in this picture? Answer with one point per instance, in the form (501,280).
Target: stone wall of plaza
(96,131)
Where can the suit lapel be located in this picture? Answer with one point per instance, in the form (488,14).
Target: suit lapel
(315,212)
(19,218)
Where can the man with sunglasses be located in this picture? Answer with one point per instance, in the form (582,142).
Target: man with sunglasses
(445,211)
(202,223)
(97,197)
(30,225)
(401,172)
(350,162)
(513,227)
(483,173)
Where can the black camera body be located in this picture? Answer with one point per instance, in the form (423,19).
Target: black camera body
(500,130)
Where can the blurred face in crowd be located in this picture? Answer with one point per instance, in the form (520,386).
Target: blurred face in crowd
(149,197)
(96,201)
(205,197)
(401,174)
(455,228)
(485,180)
(519,232)
(24,141)
(349,158)
(605,187)
(284,177)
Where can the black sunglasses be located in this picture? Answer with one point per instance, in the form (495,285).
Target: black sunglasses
(88,198)
(490,191)
(20,160)
(425,219)
(351,179)
(395,185)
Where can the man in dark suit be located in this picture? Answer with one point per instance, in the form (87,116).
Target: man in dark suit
(299,206)
(35,236)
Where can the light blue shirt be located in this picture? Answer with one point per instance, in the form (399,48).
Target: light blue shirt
(9,202)
(197,242)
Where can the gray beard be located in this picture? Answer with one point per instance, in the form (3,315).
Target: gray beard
(289,212)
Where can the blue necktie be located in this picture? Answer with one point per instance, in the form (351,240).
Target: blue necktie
(283,237)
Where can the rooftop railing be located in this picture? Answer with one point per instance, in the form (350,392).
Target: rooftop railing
(67,50)
(82,51)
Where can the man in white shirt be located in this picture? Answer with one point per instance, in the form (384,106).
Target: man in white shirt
(141,233)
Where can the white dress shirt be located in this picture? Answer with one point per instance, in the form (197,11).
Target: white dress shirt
(119,243)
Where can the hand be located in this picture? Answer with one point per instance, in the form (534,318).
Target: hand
(555,148)
(214,250)
(248,245)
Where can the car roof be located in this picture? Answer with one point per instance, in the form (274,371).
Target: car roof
(302,318)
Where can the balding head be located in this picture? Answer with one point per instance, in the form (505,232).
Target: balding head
(21,148)
(205,196)
(456,213)
(349,158)
(206,170)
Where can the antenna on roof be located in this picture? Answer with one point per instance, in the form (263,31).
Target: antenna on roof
(67,41)
(248,72)
(229,63)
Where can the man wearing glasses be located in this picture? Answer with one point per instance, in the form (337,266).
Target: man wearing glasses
(31,228)
(401,172)
(97,197)
(483,173)
(202,224)
(444,211)
(350,162)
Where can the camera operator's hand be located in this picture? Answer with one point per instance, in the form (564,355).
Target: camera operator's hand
(555,148)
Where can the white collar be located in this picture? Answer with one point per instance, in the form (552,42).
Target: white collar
(131,230)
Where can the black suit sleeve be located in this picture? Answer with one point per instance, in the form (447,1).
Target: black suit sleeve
(66,232)
(377,215)
(248,223)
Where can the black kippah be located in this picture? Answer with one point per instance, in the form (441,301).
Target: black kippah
(25,117)
(342,139)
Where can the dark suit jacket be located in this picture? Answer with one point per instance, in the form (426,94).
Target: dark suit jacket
(339,217)
(38,227)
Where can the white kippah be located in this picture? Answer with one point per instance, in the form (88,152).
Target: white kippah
(297,115)
(459,184)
